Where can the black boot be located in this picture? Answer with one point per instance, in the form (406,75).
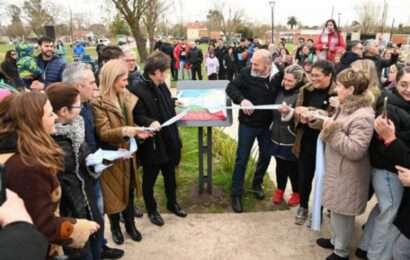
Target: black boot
(155,218)
(111,253)
(177,210)
(132,230)
(237,204)
(116,233)
(129,215)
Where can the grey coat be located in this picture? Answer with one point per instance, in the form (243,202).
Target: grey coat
(348,166)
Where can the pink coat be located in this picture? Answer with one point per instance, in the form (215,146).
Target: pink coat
(347,179)
(333,41)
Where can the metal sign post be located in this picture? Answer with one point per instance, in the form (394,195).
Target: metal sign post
(205,146)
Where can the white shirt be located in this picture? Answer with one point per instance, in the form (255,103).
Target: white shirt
(212,65)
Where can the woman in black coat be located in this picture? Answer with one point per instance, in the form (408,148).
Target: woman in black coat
(380,234)
(163,151)
(9,72)
(78,195)
(398,153)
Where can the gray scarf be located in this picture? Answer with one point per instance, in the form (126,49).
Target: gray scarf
(75,131)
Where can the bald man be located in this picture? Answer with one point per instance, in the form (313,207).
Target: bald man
(253,86)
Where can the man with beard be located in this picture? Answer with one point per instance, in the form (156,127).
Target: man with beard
(253,86)
(51,64)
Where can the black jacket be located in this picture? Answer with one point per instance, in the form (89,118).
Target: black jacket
(134,78)
(10,74)
(219,54)
(257,90)
(239,58)
(156,104)
(398,153)
(78,195)
(229,62)
(21,240)
(399,112)
(195,56)
(78,198)
(282,132)
(347,59)
(382,63)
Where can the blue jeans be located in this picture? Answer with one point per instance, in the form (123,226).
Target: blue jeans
(380,234)
(181,71)
(246,139)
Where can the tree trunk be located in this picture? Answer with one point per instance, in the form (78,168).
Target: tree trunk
(140,41)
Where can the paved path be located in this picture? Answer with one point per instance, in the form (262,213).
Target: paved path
(229,236)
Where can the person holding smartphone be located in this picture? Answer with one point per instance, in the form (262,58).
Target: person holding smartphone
(380,234)
(398,153)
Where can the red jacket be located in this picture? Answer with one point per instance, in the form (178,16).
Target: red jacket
(177,53)
(332,41)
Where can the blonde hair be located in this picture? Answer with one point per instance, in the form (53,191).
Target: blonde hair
(369,69)
(110,73)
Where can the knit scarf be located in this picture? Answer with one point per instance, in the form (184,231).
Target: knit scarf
(74,131)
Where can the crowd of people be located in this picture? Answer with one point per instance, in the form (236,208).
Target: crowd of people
(336,96)
(353,99)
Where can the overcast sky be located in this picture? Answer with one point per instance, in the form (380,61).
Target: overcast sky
(313,12)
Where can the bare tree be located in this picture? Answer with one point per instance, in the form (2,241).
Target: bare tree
(384,16)
(369,16)
(218,20)
(37,15)
(16,28)
(133,12)
(151,18)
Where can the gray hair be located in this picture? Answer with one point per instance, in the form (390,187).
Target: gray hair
(297,72)
(74,73)
(265,55)
(368,44)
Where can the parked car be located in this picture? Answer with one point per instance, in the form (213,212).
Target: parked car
(203,40)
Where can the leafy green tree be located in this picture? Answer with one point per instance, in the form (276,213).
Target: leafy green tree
(119,26)
(292,22)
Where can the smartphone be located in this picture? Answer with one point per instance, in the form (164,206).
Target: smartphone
(384,113)
(2,185)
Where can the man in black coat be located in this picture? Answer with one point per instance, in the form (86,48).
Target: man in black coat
(220,52)
(195,58)
(372,52)
(353,53)
(253,86)
(163,151)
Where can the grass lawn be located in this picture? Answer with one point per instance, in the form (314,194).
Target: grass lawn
(224,149)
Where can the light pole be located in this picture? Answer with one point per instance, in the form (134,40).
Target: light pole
(272,7)
(338,19)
